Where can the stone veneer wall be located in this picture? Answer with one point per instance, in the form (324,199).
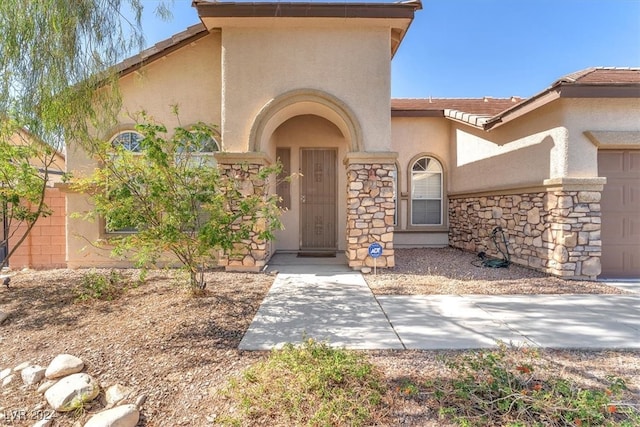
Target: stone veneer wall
(252,254)
(370,211)
(554,231)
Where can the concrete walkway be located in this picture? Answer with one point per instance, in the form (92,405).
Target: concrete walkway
(325,300)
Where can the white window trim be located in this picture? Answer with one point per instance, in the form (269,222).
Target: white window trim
(127,131)
(441,198)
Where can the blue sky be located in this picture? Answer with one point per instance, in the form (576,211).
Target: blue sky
(500,48)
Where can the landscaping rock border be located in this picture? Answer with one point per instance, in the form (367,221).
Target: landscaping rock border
(66,388)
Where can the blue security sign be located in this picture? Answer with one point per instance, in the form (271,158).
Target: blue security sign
(375,250)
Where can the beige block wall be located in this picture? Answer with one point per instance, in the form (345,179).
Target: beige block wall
(263,61)
(308,131)
(44,246)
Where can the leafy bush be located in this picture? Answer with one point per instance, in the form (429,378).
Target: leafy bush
(96,285)
(310,384)
(496,388)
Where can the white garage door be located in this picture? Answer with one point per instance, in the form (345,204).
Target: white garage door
(620,213)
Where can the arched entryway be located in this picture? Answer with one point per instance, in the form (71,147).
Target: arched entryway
(311,147)
(310,132)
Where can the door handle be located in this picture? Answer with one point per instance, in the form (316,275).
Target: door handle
(303,199)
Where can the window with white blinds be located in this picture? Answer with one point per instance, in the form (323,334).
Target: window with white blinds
(426,192)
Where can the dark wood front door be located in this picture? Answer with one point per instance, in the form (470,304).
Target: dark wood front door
(318,200)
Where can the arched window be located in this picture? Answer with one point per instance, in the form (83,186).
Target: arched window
(198,151)
(210,145)
(204,145)
(129,140)
(426,192)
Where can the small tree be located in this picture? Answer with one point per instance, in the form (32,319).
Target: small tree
(174,197)
(53,56)
(25,167)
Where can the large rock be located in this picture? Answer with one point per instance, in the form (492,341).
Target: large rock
(120,416)
(21,366)
(116,393)
(5,373)
(46,386)
(72,392)
(63,365)
(32,374)
(3,316)
(591,267)
(8,380)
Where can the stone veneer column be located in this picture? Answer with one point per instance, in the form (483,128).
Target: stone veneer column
(370,207)
(573,237)
(556,230)
(251,254)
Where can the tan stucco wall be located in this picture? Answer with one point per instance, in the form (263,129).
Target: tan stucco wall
(308,131)
(412,137)
(55,162)
(190,78)
(595,115)
(547,143)
(521,153)
(347,59)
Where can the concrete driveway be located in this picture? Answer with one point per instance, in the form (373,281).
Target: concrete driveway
(327,301)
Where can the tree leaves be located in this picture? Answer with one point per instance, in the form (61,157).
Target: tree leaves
(176,199)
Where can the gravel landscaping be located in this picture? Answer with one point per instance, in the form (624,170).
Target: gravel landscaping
(180,350)
(450,271)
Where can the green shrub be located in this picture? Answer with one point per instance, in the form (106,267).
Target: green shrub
(500,387)
(96,285)
(311,384)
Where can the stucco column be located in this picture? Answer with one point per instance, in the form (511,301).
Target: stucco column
(370,207)
(253,253)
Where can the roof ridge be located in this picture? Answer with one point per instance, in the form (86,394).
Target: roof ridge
(575,76)
(617,68)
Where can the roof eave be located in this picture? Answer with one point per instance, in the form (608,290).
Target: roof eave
(403,11)
(475,120)
(208,9)
(522,108)
(563,89)
(161,49)
(416,113)
(600,90)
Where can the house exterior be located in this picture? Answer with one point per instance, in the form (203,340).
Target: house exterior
(309,84)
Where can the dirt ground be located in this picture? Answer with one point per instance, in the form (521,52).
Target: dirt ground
(179,350)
